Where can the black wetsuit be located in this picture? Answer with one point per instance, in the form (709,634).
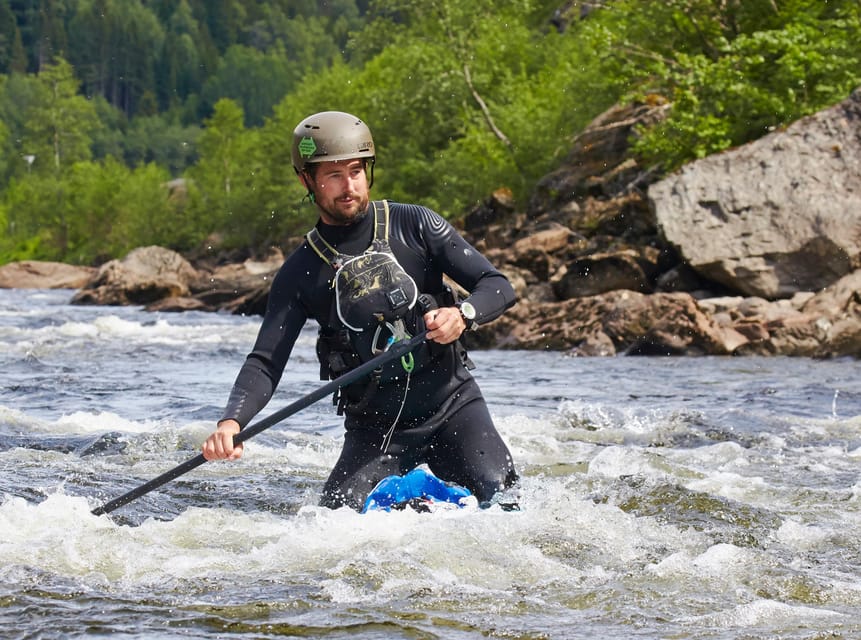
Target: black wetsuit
(444,421)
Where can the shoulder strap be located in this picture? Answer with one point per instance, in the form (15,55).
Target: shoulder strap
(327,252)
(330,255)
(381,222)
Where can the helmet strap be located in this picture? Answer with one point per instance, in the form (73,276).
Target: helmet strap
(308,179)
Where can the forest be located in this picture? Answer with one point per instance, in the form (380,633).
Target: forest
(126,123)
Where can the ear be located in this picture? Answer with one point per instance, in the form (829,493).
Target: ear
(306,180)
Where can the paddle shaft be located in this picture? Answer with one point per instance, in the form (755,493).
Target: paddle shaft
(397,350)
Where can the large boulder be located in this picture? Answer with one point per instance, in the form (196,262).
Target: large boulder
(35,274)
(774,217)
(144,276)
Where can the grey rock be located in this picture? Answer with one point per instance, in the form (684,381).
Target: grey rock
(774,217)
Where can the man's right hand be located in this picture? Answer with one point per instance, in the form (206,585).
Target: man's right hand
(219,446)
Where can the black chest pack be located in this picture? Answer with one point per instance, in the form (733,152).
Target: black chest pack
(372,290)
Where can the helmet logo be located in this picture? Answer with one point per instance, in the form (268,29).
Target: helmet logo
(307,147)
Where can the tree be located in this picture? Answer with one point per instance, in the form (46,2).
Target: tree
(56,133)
(53,40)
(221,176)
(5,156)
(115,48)
(162,140)
(253,79)
(186,57)
(13,58)
(463,98)
(59,125)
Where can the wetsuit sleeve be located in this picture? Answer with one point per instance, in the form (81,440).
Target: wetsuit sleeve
(489,290)
(259,376)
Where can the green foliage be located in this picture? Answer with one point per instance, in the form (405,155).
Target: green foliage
(162,140)
(92,212)
(12,54)
(57,126)
(236,190)
(463,98)
(115,45)
(149,208)
(173,120)
(734,72)
(252,78)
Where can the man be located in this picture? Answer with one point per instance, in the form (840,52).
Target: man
(424,409)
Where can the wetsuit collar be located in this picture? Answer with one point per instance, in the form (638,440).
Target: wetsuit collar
(363,228)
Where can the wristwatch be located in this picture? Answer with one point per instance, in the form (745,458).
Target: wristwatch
(468,313)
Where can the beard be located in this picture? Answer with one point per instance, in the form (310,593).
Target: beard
(355,212)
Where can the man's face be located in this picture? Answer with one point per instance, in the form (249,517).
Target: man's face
(340,190)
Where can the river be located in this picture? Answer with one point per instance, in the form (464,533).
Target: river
(701,498)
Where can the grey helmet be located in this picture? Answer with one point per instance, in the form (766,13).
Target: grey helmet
(329,136)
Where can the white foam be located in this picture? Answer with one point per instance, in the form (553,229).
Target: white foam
(61,536)
(110,329)
(445,551)
(540,441)
(78,422)
(615,461)
(776,615)
(102,422)
(802,537)
(735,486)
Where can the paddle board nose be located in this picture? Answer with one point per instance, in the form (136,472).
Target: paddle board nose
(416,487)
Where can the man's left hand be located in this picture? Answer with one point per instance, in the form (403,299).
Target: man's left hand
(444,325)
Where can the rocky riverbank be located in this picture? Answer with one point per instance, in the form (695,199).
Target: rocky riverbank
(753,251)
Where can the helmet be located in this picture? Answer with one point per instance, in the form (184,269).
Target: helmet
(330,135)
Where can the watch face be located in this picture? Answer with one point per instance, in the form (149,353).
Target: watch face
(467,310)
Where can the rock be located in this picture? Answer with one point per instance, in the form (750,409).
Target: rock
(825,324)
(498,207)
(600,273)
(840,306)
(774,217)
(680,278)
(34,274)
(614,322)
(238,288)
(144,276)
(177,304)
(626,215)
(599,164)
(548,240)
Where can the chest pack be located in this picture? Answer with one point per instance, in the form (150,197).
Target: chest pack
(371,289)
(376,303)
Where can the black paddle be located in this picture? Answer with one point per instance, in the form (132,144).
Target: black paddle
(397,350)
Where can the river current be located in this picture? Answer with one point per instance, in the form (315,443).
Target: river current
(701,498)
